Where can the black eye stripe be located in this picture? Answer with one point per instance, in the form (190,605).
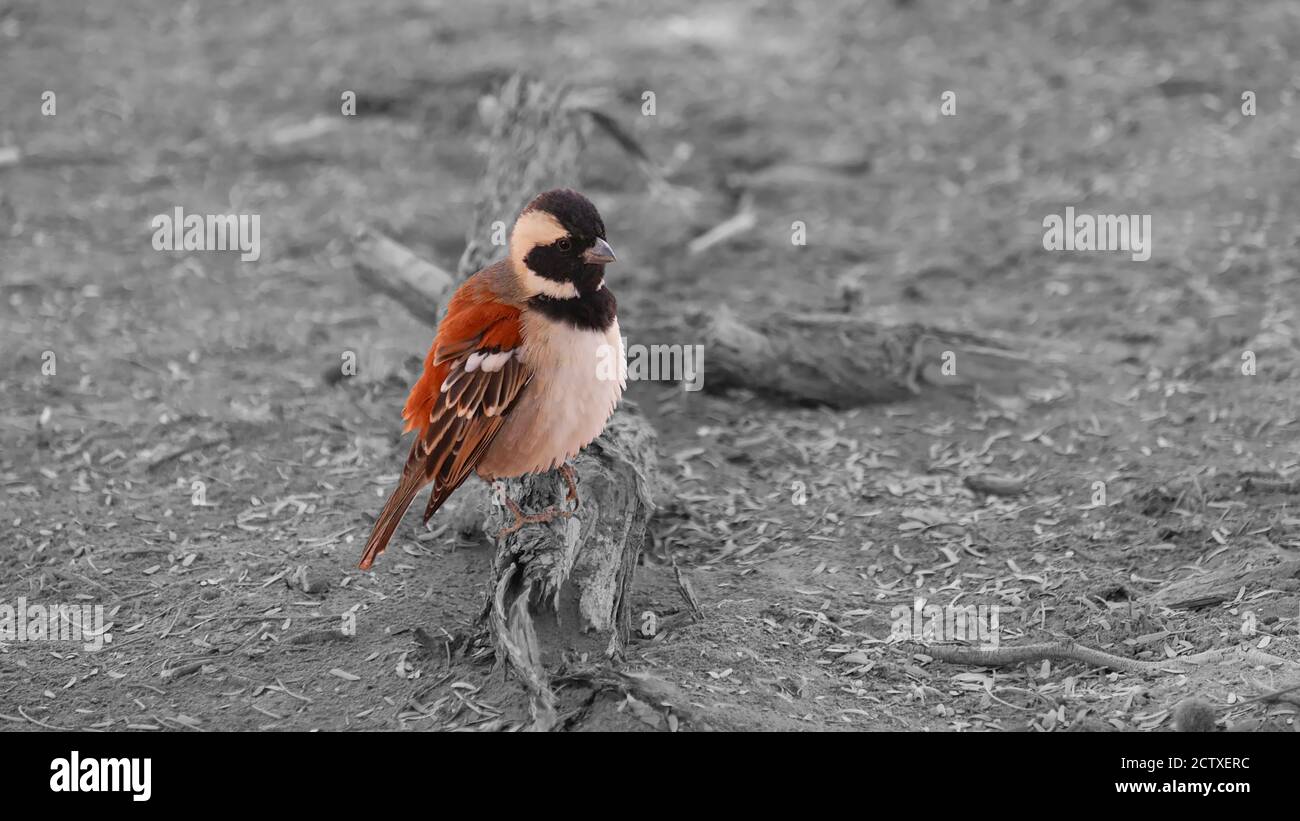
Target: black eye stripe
(561,260)
(550,262)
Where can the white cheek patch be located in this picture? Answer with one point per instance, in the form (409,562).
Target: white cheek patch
(536,284)
(536,228)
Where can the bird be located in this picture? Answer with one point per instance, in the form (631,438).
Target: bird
(510,386)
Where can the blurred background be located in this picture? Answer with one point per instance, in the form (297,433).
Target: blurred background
(827,113)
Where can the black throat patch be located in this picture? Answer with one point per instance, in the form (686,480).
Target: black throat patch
(588,311)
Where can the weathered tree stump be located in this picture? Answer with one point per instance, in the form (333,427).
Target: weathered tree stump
(560,590)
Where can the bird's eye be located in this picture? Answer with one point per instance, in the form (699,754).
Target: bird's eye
(564,244)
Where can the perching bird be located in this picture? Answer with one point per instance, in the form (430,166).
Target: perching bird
(511,385)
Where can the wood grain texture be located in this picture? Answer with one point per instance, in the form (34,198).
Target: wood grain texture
(844,361)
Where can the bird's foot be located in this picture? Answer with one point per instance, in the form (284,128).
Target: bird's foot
(570,477)
(549,515)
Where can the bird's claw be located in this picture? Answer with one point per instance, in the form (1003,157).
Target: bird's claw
(550,514)
(570,477)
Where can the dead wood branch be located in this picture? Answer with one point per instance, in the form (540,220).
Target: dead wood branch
(1286,695)
(1224,584)
(995,485)
(1265,484)
(658,693)
(391,268)
(743,220)
(845,361)
(1068,651)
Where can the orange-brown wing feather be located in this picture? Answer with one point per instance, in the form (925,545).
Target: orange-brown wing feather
(472,377)
(466,422)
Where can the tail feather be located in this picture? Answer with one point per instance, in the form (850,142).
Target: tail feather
(390,517)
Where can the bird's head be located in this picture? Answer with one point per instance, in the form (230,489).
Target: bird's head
(558,247)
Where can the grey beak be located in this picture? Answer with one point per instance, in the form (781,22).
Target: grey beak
(599,254)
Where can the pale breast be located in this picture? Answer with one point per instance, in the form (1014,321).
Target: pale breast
(578,378)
